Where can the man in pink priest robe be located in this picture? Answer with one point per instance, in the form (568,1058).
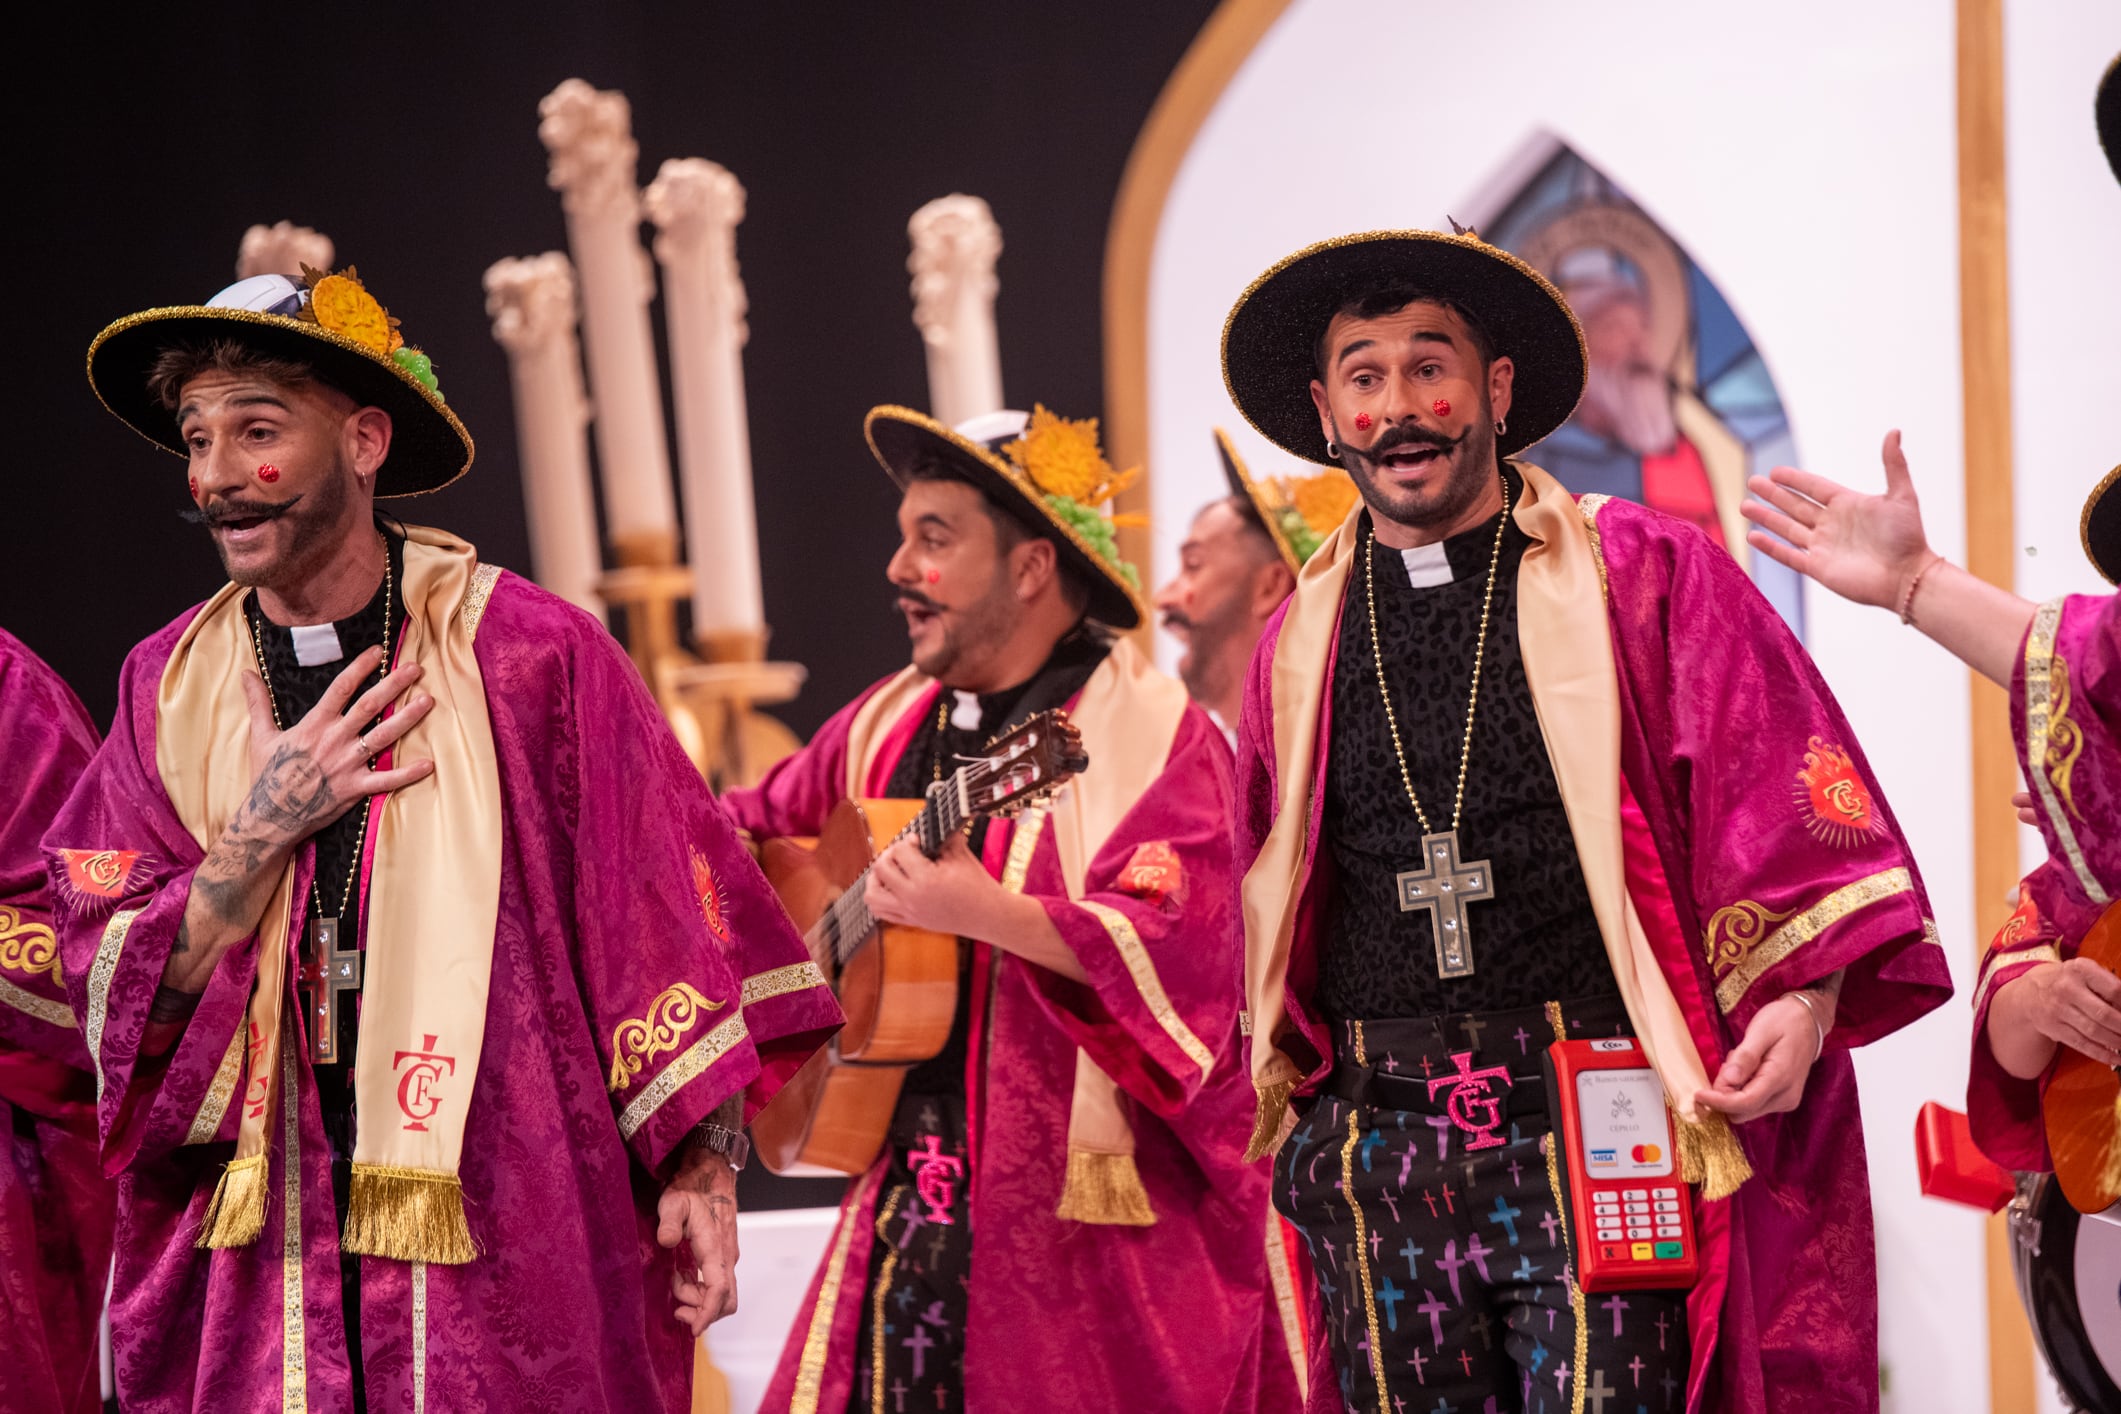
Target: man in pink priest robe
(1516,768)
(426,987)
(1060,1216)
(56,1205)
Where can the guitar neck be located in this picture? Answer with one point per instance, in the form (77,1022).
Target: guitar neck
(848,923)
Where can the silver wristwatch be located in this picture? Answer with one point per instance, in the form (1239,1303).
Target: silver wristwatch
(731,1144)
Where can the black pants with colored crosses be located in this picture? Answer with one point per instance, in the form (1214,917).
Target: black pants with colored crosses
(1439,1237)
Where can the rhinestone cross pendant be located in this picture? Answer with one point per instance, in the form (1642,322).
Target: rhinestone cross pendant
(1444,885)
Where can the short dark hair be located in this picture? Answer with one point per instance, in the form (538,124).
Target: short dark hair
(1392,297)
(181,362)
(1011,529)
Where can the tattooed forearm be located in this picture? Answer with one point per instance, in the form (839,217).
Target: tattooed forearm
(172,1005)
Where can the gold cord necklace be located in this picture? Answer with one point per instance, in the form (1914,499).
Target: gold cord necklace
(327,971)
(1445,883)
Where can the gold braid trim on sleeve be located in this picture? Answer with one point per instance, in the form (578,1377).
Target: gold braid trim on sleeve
(29,1003)
(761,986)
(675,1076)
(1997,961)
(2043,668)
(1751,957)
(1121,930)
(100,973)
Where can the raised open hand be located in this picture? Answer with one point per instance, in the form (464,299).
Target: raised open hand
(1863,547)
(317,770)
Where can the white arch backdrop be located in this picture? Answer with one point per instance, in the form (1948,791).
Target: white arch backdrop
(1805,156)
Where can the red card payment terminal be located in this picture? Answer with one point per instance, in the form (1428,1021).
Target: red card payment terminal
(1630,1215)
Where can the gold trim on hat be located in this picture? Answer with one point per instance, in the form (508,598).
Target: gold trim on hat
(171,313)
(1269,513)
(1009,473)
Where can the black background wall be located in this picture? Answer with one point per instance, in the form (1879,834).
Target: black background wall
(409,135)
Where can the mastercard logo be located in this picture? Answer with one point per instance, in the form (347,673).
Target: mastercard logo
(1646,1154)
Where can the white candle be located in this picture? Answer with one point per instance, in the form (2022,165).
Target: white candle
(955,243)
(282,248)
(696,206)
(532,303)
(589,135)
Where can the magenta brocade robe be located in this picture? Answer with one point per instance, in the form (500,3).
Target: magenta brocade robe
(620,880)
(2066,716)
(1180,1316)
(55,1203)
(1750,882)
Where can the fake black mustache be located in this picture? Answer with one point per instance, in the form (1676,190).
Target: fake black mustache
(220,513)
(1404,434)
(902,597)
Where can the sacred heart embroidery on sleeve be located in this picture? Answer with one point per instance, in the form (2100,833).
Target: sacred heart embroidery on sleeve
(1832,798)
(708,890)
(91,880)
(1153,874)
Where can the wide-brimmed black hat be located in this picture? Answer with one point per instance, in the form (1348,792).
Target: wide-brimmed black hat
(1001,454)
(1271,337)
(330,323)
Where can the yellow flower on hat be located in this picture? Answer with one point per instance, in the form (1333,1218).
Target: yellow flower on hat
(1061,457)
(342,304)
(1323,501)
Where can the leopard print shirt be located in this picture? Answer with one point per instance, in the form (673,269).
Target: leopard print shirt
(1537,938)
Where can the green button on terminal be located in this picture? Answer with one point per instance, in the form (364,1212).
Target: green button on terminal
(1670,1251)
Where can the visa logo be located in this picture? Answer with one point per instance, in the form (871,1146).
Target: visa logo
(1604,1156)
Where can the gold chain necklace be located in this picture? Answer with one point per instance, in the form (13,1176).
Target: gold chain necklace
(327,971)
(1445,882)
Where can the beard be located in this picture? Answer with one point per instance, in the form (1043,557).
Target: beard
(980,626)
(1202,667)
(314,528)
(1634,405)
(1470,467)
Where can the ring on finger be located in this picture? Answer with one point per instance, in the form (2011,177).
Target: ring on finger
(362,742)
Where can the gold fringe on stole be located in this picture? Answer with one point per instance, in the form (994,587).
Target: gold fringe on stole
(1106,1189)
(1270,1124)
(236,1214)
(1710,1156)
(407,1215)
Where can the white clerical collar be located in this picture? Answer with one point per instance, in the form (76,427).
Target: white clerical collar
(316,644)
(1427,565)
(966,715)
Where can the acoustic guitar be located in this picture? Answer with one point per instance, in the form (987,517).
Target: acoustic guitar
(2082,1106)
(898,986)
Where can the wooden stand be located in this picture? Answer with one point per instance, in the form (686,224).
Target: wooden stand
(710,699)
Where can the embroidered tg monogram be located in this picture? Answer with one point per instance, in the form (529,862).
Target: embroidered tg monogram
(1471,1105)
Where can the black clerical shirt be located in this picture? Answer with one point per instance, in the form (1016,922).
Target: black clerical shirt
(296,689)
(1537,939)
